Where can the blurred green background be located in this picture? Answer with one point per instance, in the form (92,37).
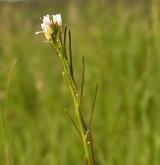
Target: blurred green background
(121,44)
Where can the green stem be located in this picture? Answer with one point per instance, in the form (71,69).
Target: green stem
(85,134)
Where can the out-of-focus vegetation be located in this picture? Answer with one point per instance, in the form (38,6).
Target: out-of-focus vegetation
(121,45)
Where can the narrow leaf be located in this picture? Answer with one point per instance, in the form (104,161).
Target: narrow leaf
(73,122)
(82,81)
(70,55)
(64,41)
(92,108)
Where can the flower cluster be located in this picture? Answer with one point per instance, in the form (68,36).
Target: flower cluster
(51,26)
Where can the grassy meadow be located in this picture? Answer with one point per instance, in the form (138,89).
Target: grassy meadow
(121,45)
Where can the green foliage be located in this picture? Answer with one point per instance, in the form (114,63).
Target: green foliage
(121,48)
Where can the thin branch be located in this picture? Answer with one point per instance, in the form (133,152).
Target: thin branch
(62,46)
(64,41)
(82,81)
(60,37)
(73,122)
(92,109)
(86,162)
(70,55)
(92,148)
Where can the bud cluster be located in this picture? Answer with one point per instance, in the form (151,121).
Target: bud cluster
(51,27)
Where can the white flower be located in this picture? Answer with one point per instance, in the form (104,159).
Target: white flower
(57,19)
(46,25)
(50,25)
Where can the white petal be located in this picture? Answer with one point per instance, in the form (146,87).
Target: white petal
(46,20)
(43,26)
(36,33)
(54,18)
(57,19)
